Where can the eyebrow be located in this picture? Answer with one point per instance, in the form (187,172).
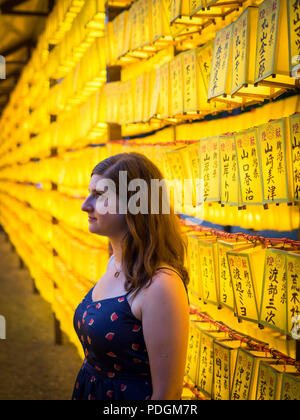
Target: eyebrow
(94,190)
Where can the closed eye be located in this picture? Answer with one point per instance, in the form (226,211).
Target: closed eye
(97,194)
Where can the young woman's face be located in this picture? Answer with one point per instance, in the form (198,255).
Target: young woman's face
(96,204)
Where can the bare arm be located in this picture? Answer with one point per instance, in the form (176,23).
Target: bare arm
(165,318)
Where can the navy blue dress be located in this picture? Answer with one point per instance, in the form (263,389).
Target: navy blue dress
(116,364)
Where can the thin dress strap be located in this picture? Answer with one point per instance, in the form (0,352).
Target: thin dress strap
(168,268)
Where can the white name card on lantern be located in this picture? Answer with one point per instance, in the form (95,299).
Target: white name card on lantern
(295,153)
(176,85)
(273,304)
(139,95)
(293,9)
(206,359)
(156,19)
(170,8)
(225,283)
(164,96)
(229,171)
(204,61)
(208,267)
(193,352)
(218,74)
(175,9)
(267,25)
(194,266)
(273,160)
(210,168)
(133,26)
(249,166)
(119,25)
(127,35)
(189,80)
(195,6)
(290,388)
(266,388)
(176,165)
(226,292)
(179,8)
(246,373)
(144,22)
(246,271)
(155,82)
(204,55)
(146,101)
(193,156)
(127,102)
(206,364)
(293,294)
(242,376)
(239,51)
(225,353)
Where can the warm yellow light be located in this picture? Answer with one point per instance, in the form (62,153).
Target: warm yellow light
(70,16)
(95,84)
(126,59)
(96,134)
(63,69)
(53,41)
(100,15)
(139,54)
(83,46)
(171,119)
(77,3)
(95,34)
(100,79)
(149,48)
(101,124)
(189,45)
(95,25)
(68,63)
(78,54)
(97,130)
(90,89)
(194,20)
(66,26)
(74,101)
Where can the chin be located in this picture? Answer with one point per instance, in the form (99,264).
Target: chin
(94,228)
(97,230)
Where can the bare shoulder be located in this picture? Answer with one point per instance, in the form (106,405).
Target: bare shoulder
(166,286)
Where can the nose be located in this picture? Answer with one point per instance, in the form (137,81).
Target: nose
(87,205)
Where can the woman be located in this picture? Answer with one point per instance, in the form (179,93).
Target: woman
(134,323)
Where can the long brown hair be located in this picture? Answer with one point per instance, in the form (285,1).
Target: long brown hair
(151,238)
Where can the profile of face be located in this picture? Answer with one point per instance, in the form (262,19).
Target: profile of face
(101,220)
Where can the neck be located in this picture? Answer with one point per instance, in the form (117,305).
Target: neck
(117,250)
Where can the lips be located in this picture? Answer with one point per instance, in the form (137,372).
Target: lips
(92,219)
